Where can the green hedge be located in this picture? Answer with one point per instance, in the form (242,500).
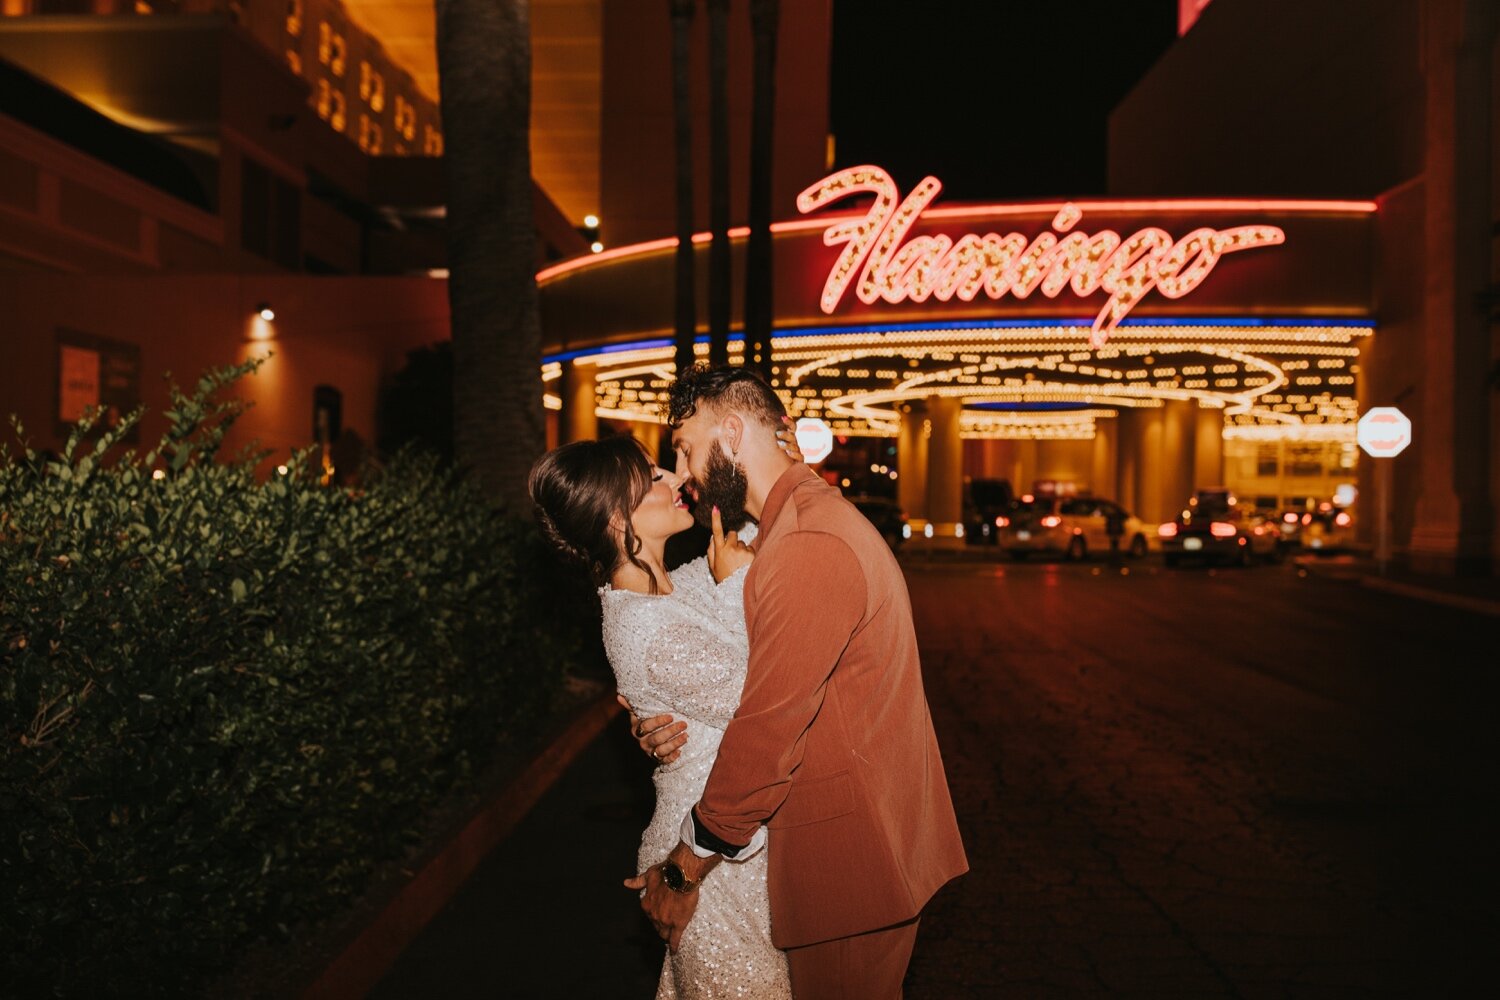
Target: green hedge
(224,700)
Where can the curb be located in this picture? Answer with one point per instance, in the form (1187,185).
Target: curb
(1462,602)
(1476,604)
(370,956)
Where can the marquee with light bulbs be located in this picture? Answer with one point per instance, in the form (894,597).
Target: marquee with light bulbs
(1044,318)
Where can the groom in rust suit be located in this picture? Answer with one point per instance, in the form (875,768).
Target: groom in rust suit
(832,750)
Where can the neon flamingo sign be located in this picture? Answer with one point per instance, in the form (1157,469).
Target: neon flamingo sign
(884,263)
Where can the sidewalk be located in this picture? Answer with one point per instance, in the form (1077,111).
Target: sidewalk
(545,914)
(1480,595)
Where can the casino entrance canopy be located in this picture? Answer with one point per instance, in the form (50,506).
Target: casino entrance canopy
(1041,318)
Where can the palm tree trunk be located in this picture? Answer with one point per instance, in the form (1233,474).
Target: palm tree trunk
(718,111)
(764,18)
(686,314)
(484,64)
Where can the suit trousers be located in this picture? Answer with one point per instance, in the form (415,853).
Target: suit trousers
(867,966)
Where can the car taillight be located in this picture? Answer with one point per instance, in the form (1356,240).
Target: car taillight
(1051,521)
(1307,519)
(1001,522)
(1289,517)
(1168,530)
(1222,529)
(1343,520)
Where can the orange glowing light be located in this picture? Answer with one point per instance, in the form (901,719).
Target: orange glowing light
(884,263)
(1222,529)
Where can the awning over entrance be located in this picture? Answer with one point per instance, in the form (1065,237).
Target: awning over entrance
(1040,318)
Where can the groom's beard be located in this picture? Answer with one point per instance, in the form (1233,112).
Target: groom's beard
(724,486)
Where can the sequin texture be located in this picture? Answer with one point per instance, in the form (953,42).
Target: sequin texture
(685,653)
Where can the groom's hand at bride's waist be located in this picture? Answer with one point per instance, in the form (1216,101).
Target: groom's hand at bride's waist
(658,735)
(670,911)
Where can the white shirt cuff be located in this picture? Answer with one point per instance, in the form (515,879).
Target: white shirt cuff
(689,837)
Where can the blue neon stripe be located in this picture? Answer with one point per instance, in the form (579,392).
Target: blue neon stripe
(989,324)
(1032,322)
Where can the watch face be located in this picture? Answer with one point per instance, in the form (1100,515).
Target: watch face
(672,875)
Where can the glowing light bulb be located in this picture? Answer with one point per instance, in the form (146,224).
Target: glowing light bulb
(591,222)
(596,247)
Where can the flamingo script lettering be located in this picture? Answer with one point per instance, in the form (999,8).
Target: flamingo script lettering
(884,262)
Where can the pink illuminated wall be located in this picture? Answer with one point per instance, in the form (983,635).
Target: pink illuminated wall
(1187,13)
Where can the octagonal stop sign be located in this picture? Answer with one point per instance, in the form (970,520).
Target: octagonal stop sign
(1383,432)
(815,439)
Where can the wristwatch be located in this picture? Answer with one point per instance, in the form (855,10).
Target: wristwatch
(677,880)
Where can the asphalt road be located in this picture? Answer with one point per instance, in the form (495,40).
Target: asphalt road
(1240,783)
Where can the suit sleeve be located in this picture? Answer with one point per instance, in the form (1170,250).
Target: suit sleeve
(810,599)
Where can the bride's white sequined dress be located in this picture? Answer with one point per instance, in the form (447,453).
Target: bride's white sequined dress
(685,653)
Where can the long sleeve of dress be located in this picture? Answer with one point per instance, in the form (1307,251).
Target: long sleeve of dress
(697,673)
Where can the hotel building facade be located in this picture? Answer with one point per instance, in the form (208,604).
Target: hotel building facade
(1300,226)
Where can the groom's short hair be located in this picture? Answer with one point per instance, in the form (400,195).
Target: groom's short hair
(723,388)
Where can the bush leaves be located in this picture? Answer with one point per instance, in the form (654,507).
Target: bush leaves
(225,699)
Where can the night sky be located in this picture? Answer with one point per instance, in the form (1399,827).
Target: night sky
(996,98)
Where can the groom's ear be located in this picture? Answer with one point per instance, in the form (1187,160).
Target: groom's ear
(733,432)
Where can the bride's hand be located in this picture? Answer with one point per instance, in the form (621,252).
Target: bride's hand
(787,438)
(726,553)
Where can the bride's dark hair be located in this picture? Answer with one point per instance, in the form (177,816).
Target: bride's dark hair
(579,489)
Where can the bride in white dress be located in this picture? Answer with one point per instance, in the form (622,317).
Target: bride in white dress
(677,645)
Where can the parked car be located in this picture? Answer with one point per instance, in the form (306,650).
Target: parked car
(1327,529)
(887,516)
(1213,528)
(1075,527)
(1289,525)
(984,501)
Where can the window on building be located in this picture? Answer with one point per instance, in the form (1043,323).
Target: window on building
(371,87)
(333,49)
(270,215)
(370,135)
(405,118)
(1305,460)
(328,408)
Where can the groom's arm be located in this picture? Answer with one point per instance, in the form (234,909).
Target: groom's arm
(809,601)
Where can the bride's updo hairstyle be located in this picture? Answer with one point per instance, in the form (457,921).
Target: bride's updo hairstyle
(579,489)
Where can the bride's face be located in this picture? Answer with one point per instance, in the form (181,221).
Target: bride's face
(662,513)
